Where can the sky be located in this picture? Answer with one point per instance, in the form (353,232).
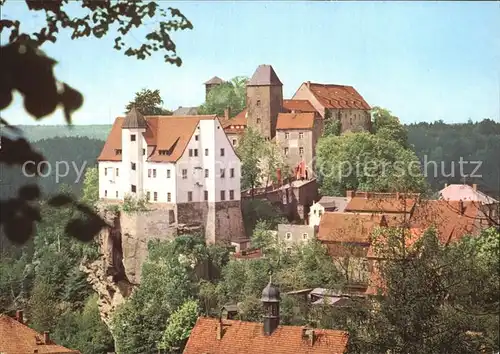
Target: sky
(424,61)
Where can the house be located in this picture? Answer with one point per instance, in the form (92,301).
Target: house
(184,163)
(456,192)
(221,336)
(326,203)
(339,102)
(17,338)
(291,234)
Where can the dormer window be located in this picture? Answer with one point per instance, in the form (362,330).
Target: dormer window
(163,152)
(118,151)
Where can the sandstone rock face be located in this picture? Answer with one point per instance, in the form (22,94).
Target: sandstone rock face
(124,243)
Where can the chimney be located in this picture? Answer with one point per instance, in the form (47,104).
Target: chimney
(19,316)
(474,186)
(46,337)
(397,195)
(227,113)
(308,333)
(219,329)
(445,185)
(308,83)
(349,194)
(461,207)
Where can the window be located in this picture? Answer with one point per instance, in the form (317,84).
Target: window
(105,172)
(190,196)
(195,152)
(148,195)
(190,152)
(301,135)
(117,172)
(168,173)
(196,137)
(155,196)
(315,211)
(154,173)
(285,151)
(287,135)
(169,197)
(234,142)
(222,173)
(206,152)
(133,166)
(258,102)
(206,172)
(288,235)
(231,194)
(350,120)
(117,194)
(143,152)
(105,193)
(132,188)
(305,236)
(301,151)
(231,173)
(184,173)
(132,137)
(149,173)
(206,195)
(222,195)
(258,120)
(118,151)
(320,213)
(222,152)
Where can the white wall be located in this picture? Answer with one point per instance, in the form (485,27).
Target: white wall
(315,213)
(160,184)
(110,182)
(132,152)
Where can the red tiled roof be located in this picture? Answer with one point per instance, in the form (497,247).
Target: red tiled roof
(446,217)
(338,96)
(295,121)
(347,227)
(164,132)
(17,338)
(303,106)
(240,337)
(380,205)
(239,120)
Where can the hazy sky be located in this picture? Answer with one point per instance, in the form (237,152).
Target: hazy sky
(424,61)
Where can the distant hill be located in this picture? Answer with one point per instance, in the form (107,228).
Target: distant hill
(40,132)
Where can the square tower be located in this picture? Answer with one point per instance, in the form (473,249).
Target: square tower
(264,101)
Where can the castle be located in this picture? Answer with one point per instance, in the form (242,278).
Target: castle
(295,124)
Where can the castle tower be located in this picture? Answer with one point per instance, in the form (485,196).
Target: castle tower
(264,101)
(271,301)
(134,149)
(210,84)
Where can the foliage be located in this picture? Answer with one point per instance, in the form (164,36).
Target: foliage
(363,161)
(230,94)
(90,190)
(84,330)
(262,236)
(179,325)
(332,127)
(133,204)
(168,280)
(149,103)
(388,126)
(254,210)
(250,151)
(43,298)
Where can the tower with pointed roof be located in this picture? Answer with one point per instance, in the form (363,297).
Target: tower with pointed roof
(271,301)
(264,100)
(134,149)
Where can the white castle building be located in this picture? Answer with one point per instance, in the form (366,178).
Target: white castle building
(185,163)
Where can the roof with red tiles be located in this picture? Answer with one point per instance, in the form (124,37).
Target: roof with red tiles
(170,133)
(299,106)
(348,227)
(380,205)
(240,337)
(237,123)
(338,96)
(17,338)
(288,121)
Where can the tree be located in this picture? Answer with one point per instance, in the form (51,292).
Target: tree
(230,94)
(389,127)
(179,326)
(90,191)
(149,103)
(363,161)
(250,151)
(27,69)
(43,298)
